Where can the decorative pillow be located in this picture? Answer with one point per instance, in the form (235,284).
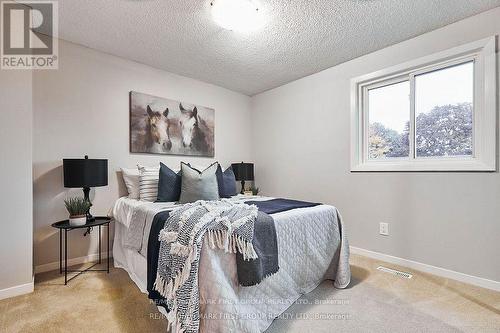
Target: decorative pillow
(199,185)
(227,182)
(169,185)
(131,179)
(148,182)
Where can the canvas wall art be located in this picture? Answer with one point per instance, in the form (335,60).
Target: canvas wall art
(164,126)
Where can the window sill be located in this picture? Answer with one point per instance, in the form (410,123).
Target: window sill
(451,165)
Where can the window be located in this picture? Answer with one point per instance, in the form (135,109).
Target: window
(444,110)
(437,113)
(389,118)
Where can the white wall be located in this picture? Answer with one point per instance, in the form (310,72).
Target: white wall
(16,234)
(301,149)
(83,108)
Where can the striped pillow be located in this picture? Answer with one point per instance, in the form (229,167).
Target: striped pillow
(148,183)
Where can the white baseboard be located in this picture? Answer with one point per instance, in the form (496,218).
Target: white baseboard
(445,273)
(17,290)
(52,266)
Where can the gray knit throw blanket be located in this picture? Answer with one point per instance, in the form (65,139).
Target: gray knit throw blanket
(228,226)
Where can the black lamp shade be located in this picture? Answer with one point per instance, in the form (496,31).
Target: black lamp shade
(80,173)
(243,171)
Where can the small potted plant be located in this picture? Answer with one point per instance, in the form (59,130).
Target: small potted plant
(255,190)
(77,208)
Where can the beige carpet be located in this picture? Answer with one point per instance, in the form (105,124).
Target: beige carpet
(375,302)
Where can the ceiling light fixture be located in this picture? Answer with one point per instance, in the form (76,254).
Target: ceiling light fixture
(237,15)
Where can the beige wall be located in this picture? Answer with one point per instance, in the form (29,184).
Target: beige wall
(16,222)
(301,142)
(83,108)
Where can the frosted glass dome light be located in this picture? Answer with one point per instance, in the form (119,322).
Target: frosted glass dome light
(237,15)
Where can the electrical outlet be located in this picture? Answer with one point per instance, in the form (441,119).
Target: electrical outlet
(384,229)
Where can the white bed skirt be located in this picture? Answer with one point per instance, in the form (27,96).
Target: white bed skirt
(131,261)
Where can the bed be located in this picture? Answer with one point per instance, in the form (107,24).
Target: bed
(312,248)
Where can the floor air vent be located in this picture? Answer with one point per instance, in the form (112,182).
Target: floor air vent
(395,272)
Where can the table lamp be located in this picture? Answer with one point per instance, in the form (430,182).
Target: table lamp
(242,172)
(85,173)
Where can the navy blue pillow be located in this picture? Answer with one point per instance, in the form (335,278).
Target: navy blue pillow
(169,185)
(227,182)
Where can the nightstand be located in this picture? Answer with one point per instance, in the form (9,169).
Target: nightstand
(64,225)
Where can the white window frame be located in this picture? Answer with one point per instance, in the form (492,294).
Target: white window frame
(483,54)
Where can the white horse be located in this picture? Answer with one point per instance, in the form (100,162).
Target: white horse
(194,131)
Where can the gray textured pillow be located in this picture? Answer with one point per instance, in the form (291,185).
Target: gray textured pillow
(199,185)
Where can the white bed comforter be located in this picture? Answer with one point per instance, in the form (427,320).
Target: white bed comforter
(312,247)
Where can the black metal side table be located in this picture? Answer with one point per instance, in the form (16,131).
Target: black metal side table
(64,225)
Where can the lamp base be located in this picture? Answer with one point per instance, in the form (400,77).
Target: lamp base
(242,187)
(90,218)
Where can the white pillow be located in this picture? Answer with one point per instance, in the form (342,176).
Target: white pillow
(131,179)
(148,182)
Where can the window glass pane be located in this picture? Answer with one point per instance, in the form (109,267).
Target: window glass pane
(389,117)
(443,111)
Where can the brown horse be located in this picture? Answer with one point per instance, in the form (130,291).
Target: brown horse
(157,131)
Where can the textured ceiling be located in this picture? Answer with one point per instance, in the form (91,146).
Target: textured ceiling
(302,36)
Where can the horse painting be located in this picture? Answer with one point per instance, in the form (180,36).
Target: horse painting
(163,126)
